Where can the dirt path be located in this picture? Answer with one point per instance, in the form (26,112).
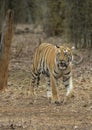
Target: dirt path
(17,112)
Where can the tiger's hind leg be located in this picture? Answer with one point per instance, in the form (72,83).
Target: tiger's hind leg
(49,93)
(35,83)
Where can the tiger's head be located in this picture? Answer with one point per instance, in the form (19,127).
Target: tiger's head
(63,57)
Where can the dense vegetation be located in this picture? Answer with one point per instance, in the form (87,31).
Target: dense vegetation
(72,18)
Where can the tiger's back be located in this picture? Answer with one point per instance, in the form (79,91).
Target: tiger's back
(44,53)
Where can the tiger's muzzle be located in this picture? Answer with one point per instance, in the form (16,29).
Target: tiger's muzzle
(63,64)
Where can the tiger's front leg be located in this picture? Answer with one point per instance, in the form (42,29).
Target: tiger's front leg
(54,97)
(67,80)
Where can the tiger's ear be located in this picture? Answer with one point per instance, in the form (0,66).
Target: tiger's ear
(57,46)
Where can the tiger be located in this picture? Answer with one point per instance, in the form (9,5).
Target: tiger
(53,62)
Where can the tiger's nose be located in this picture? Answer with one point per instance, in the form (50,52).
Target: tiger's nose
(63,63)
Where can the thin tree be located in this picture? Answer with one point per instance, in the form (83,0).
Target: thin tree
(5,44)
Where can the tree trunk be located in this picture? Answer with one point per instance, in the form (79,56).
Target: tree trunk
(5,44)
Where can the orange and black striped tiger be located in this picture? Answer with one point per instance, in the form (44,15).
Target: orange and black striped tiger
(54,62)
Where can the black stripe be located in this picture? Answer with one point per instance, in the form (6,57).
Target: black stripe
(64,80)
(34,77)
(48,82)
(38,73)
(55,72)
(43,69)
(66,85)
(67,73)
(35,74)
(47,74)
(33,81)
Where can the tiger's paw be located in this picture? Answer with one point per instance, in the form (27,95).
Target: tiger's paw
(68,98)
(55,101)
(65,100)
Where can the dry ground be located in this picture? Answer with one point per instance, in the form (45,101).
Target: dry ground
(17,112)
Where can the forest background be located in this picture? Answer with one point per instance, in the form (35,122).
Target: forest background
(71,18)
